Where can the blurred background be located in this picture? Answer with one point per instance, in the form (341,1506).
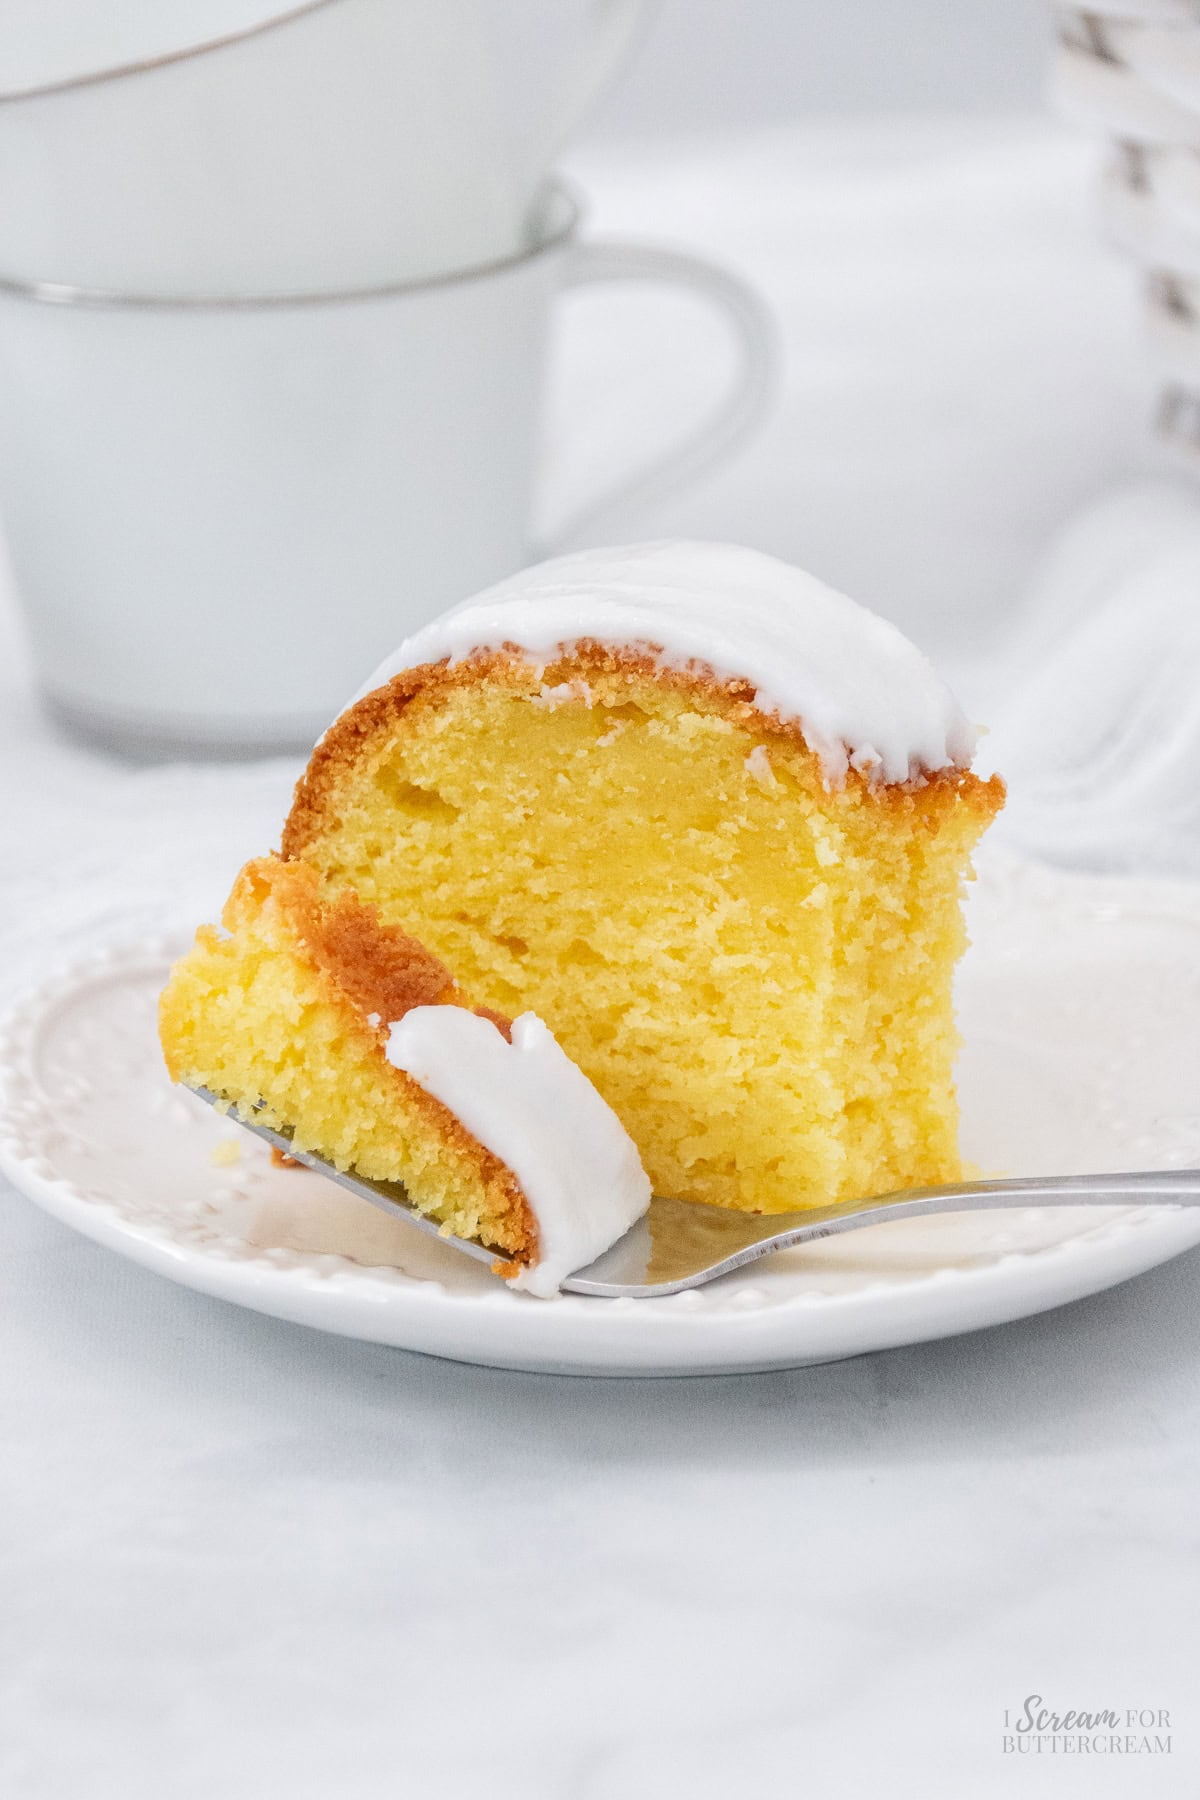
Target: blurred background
(964,361)
(707,64)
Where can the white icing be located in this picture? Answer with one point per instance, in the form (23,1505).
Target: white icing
(535,1109)
(862,695)
(758,767)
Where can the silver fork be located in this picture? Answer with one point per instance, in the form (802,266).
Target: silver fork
(684,1244)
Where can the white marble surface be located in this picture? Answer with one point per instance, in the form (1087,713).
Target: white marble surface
(239,1558)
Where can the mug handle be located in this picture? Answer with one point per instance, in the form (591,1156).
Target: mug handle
(736,413)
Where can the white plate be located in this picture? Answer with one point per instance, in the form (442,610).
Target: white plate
(1080,1005)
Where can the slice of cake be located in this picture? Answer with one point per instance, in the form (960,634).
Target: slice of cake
(311,1016)
(706,818)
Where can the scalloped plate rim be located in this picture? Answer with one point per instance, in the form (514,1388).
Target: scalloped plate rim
(576,1335)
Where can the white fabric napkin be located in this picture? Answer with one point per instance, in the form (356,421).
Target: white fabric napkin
(1100,738)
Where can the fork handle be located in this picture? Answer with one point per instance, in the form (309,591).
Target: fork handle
(763,1234)
(1143,1187)
(1154,1187)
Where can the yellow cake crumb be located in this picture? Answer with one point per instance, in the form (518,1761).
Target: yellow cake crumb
(285,1015)
(753,968)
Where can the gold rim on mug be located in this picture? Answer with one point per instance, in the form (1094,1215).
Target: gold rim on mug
(146,66)
(556,198)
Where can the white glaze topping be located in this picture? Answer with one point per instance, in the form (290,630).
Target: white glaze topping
(862,695)
(535,1109)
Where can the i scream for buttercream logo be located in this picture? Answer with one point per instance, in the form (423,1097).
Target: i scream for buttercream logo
(1036,1729)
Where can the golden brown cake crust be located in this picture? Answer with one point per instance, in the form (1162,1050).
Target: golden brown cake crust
(930,796)
(381,970)
(379,967)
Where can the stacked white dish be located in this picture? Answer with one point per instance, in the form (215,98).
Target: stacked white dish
(1133,67)
(251,147)
(275,286)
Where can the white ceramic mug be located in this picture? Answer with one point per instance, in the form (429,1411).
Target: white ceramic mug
(335,143)
(220,514)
